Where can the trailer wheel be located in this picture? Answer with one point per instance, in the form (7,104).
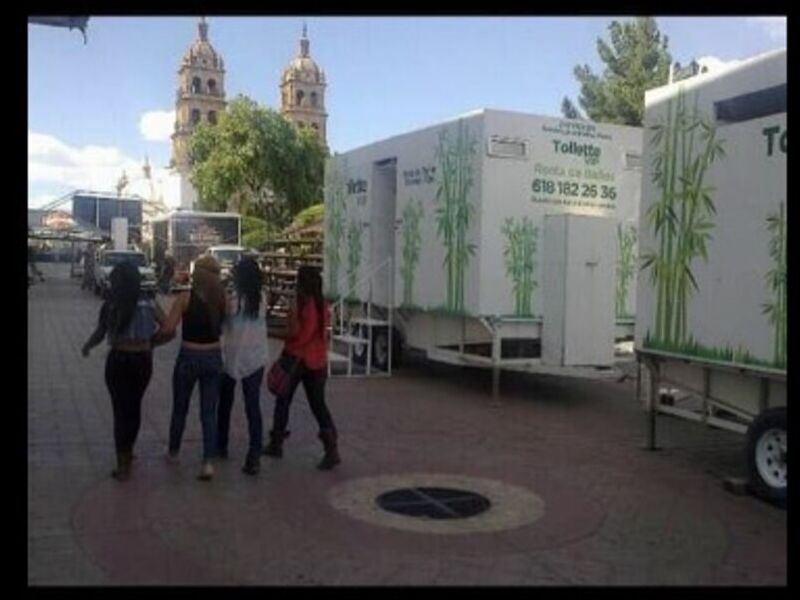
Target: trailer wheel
(380,348)
(766,454)
(360,350)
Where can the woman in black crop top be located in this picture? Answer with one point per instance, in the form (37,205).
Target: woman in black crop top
(202,311)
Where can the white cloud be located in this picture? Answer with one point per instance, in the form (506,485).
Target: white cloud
(775,27)
(157,125)
(51,163)
(40,200)
(715,64)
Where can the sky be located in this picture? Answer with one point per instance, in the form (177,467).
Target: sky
(95,109)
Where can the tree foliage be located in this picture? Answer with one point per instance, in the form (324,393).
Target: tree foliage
(636,60)
(313,215)
(255,162)
(256,232)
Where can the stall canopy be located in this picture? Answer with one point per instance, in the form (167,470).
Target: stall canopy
(69,22)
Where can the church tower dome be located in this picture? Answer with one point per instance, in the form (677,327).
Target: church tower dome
(200,98)
(303,91)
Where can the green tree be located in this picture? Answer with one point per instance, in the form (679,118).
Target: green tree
(313,215)
(255,162)
(256,232)
(636,60)
(569,110)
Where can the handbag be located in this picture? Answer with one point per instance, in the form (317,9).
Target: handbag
(281,373)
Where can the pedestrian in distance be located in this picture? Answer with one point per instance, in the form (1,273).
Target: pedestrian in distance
(33,271)
(305,352)
(244,354)
(130,322)
(167,274)
(88,267)
(202,310)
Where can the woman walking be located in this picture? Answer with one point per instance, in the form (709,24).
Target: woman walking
(202,310)
(130,322)
(307,349)
(244,354)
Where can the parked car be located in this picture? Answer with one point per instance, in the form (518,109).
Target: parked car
(108,259)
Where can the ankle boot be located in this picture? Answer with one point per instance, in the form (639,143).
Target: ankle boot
(252,464)
(275,446)
(123,470)
(329,441)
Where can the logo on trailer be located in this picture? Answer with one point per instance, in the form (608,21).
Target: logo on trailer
(589,152)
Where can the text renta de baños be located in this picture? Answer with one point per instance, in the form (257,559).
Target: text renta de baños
(571,186)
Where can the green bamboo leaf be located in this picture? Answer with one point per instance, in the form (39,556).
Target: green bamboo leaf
(709,203)
(688,272)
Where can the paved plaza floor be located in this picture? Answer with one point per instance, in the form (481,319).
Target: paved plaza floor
(575,498)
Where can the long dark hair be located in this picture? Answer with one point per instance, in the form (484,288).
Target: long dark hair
(309,287)
(208,287)
(247,282)
(126,285)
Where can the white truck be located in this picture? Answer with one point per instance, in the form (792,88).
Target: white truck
(187,234)
(498,239)
(108,258)
(711,300)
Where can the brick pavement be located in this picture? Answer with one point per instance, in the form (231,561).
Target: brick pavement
(614,514)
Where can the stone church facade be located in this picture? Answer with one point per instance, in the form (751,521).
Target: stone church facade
(200,98)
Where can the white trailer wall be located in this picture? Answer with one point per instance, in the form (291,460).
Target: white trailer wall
(548,180)
(725,318)
(455,196)
(356,192)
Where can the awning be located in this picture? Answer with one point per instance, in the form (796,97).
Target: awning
(70,22)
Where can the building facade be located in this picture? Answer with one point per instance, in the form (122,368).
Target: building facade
(201,98)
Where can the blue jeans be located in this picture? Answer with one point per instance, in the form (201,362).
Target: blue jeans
(251,388)
(191,366)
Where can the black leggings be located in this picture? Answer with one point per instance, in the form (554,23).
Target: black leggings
(314,384)
(127,376)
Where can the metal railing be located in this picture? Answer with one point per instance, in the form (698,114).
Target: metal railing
(369,277)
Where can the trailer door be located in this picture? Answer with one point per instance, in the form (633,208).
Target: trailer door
(383,200)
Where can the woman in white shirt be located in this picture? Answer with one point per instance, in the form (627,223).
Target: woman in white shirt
(244,354)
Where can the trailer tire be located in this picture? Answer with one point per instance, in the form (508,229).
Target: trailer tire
(380,354)
(766,455)
(380,348)
(360,350)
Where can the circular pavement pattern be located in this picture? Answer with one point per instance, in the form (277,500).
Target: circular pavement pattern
(511,506)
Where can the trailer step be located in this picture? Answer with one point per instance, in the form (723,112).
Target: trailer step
(369,322)
(335,357)
(351,339)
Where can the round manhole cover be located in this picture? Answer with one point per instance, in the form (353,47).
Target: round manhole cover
(433,502)
(437,503)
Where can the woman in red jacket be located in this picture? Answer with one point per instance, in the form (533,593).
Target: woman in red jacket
(306,344)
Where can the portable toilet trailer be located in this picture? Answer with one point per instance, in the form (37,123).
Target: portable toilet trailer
(497,239)
(711,307)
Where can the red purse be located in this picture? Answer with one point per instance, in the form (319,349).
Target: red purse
(280,374)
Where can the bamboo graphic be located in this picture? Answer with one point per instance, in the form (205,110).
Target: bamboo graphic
(455,211)
(520,259)
(412,214)
(626,266)
(681,220)
(335,213)
(776,282)
(354,232)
